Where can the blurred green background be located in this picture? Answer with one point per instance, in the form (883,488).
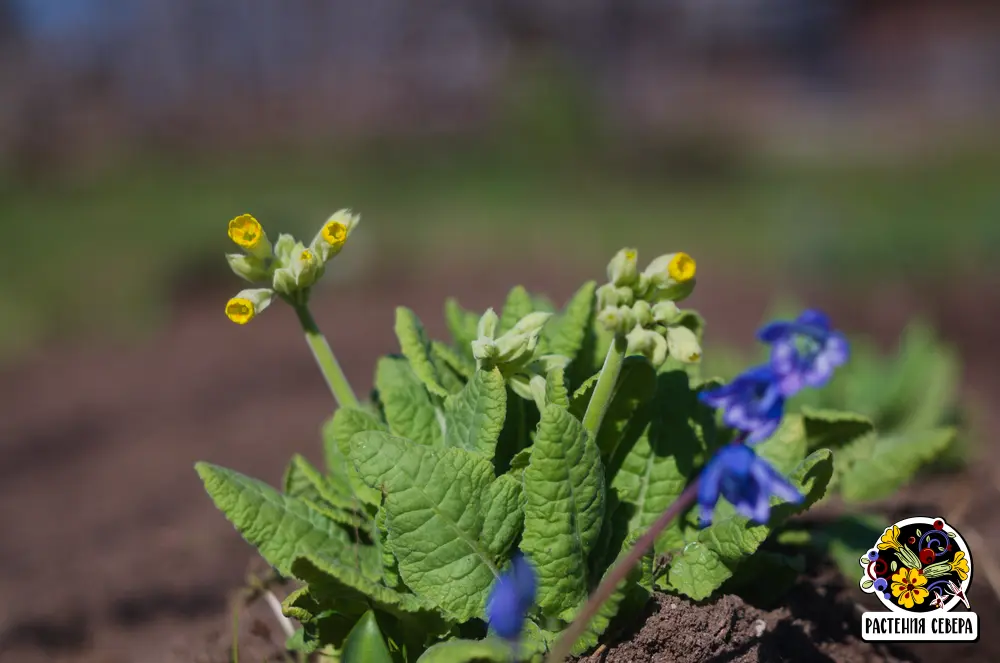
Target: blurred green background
(813,147)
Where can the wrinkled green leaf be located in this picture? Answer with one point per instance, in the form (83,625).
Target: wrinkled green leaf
(504,517)
(462,325)
(474,417)
(337,433)
(635,387)
(564,490)
(833,429)
(461,364)
(570,333)
(416,348)
(517,305)
(409,409)
(556,390)
(282,528)
(436,504)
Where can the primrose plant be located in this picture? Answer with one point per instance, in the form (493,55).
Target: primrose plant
(517,491)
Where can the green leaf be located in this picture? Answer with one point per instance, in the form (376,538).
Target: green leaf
(390,568)
(891,462)
(517,305)
(365,644)
(350,592)
(463,326)
(436,504)
(635,387)
(706,563)
(474,417)
(408,407)
(514,437)
(463,365)
(491,650)
(663,446)
(282,528)
(567,332)
(504,517)
(337,433)
(833,429)
(417,349)
(780,572)
(564,490)
(786,448)
(847,539)
(555,388)
(304,481)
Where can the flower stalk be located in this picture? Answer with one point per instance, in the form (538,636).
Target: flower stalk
(325,359)
(604,390)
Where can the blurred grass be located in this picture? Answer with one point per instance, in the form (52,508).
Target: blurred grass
(96,256)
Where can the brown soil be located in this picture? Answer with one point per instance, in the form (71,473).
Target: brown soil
(111,551)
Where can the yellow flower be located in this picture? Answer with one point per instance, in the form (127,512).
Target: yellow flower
(960,565)
(248,234)
(247,304)
(335,233)
(681,268)
(240,310)
(908,587)
(890,539)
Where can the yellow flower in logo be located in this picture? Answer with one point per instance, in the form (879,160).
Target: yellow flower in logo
(908,587)
(890,539)
(960,565)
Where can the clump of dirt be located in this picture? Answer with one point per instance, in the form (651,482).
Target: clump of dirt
(815,625)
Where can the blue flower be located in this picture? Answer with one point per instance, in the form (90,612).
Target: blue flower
(511,598)
(744,479)
(751,403)
(805,351)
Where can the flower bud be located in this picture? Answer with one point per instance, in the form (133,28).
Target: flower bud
(671,276)
(247,267)
(531,324)
(647,343)
(248,234)
(643,313)
(301,272)
(666,312)
(485,350)
(622,270)
(284,248)
(247,304)
(333,235)
(487,327)
(683,344)
(617,320)
(513,348)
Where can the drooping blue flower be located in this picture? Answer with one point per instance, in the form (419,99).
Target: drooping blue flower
(512,596)
(805,351)
(744,479)
(751,403)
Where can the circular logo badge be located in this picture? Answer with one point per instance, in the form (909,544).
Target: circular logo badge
(918,565)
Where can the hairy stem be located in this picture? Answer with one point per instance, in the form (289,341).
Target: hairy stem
(607,587)
(604,391)
(327,363)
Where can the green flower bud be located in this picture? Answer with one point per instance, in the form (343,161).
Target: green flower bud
(647,343)
(622,270)
(248,304)
(683,344)
(666,312)
(513,347)
(248,267)
(531,324)
(333,235)
(643,313)
(284,248)
(487,327)
(617,320)
(485,350)
(610,295)
(301,272)
(669,276)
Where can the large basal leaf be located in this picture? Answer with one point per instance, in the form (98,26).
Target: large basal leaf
(884,464)
(491,650)
(282,528)
(651,472)
(463,365)
(504,517)
(474,417)
(305,482)
(408,407)
(704,564)
(436,505)
(416,347)
(567,333)
(556,389)
(337,433)
(636,386)
(564,490)
(832,429)
(517,305)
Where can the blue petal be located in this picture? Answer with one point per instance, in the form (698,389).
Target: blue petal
(814,318)
(771,332)
(780,486)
